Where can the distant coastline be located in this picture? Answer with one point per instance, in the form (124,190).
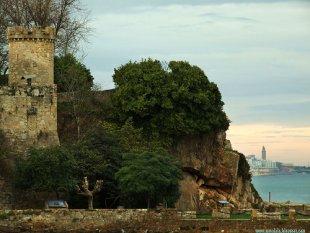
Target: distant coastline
(284,170)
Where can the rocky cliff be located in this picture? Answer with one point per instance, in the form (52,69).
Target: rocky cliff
(213,173)
(212,170)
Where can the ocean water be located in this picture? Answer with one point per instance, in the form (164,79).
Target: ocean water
(293,188)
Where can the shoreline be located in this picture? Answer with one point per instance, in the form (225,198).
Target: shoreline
(255,174)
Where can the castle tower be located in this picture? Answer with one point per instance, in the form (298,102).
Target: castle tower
(31,56)
(28,105)
(263,153)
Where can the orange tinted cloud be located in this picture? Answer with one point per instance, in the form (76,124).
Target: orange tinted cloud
(283,143)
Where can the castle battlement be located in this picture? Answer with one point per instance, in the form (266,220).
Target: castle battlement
(36,33)
(28,105)
(31,56)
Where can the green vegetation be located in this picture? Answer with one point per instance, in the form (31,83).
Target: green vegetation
(71,75)
(46,169)
(131,138)
(148,178)
(298,216)
(152,105)
(245,215)
(241,216)
(6,214)
(204,216)
(169,101)
(243,167)
(98,156)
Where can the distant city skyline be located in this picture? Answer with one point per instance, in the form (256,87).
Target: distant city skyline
(256,51)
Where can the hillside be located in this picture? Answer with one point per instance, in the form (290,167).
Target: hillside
(211,172)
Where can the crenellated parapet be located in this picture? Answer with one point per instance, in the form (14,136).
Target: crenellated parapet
(28,105)
(31,56)
(18,33)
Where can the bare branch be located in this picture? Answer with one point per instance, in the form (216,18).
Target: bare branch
(84,190)
(67,16)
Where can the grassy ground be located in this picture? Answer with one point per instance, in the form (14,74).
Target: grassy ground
(285,216)
(232,216)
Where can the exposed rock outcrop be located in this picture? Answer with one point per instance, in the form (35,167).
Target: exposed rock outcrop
(212,174)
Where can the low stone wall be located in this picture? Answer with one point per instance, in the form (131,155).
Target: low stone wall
(258,215)
(5,195)
(285,207)
(132,221)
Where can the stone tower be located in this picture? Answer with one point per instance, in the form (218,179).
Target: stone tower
(263,153)
(28,105)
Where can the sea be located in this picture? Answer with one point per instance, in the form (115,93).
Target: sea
(283,188)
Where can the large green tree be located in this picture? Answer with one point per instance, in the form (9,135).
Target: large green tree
(98,156)
(172,99)
(49,169)
(149,178)
(72,77)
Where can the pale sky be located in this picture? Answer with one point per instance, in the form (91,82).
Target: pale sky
(258,52)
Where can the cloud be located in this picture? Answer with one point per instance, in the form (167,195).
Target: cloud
(284,144)
(258,53)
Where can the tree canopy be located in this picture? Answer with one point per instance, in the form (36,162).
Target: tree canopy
(71,75)
(148,178)
(98,156)
(49,169)
(170,99)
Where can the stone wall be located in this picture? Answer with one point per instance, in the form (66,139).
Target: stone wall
(5,194)
(31,56)
(133,221)
(28,105)
(28,116)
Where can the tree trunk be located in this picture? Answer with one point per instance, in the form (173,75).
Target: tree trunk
(90,202)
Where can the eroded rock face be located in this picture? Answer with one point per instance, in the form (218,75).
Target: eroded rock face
(211,174)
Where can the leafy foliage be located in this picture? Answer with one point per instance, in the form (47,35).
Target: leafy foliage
(145,179)
(75,79)
(131,138)
(49,169)
(3,65)
(71,75)
(243,167)
(174,101)
(98,156)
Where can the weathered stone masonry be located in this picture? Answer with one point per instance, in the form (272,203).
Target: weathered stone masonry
(28,105)
(135,221)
